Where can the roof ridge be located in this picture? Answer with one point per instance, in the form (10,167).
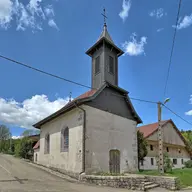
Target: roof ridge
(154,123)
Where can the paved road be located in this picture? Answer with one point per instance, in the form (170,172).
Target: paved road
(18,176)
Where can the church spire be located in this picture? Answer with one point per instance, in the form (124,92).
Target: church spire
(104,55)
(105,33)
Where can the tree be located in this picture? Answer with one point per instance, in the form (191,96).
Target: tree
(23,148)
(167,163)
(4,132)
(188,137)
(29,132)
(4,136)
(142,147)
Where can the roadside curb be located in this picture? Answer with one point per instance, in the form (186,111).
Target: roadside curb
(56,173)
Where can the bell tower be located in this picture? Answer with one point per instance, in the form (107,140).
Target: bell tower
(104,54)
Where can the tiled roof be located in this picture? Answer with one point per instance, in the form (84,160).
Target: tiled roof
(149,129)
(83,96)
(87,94)
(37,145)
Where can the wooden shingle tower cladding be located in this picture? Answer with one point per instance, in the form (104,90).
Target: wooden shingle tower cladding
(104,55)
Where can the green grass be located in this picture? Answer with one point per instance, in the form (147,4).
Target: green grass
(185,175)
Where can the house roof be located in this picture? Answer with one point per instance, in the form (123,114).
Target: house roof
(149,129)
(87,96)
(37,145)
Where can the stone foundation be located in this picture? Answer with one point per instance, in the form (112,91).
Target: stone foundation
(133,182)
(171,183)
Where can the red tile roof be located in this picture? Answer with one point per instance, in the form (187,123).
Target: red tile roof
(83,96)
(87,94)
(37,145)
(149,129)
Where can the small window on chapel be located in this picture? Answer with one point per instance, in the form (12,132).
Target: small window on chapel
(97,65)
(152,161)
(111,65)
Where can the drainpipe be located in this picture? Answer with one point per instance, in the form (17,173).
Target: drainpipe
(84,137)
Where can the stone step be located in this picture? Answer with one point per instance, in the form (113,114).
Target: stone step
(151,186)
(148,183)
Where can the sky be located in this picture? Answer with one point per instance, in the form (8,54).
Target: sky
(53,35)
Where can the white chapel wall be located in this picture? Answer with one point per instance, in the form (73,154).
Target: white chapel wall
(106,131)
(70,161)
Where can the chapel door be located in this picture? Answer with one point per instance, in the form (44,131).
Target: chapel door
(114,161)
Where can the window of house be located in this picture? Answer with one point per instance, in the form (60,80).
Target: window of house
(175,161)
(152,161)
(47,143)
(167,149)
(182,162)
(151,147)
(111,65)
(64,139)
(141,162)
(179,150)
(97,65)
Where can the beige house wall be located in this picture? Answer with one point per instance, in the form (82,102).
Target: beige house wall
(106,131)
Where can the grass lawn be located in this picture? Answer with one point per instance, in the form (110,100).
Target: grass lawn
(185,175)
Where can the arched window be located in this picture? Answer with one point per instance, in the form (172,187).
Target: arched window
(47,143)
(65,139)
(36,157)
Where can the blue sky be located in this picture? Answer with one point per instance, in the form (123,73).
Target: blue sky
(53,35)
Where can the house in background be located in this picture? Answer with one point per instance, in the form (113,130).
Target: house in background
(97,131)
(174,145)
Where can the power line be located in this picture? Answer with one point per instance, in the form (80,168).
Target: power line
(44,72)
(171,55)
(70,81)
(142,100)
(177,114)
(146,101)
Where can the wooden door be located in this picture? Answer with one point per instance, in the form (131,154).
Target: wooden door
(114,161)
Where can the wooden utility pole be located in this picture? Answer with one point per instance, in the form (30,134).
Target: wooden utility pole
(160,140)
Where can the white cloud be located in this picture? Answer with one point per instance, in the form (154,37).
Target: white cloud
(30,15)
(25,114)
(52,23)
(125,9)
(186,22)
(134,47)
(190,111)
(5,13)
(17,137)
(160,29)
(158,13)
(49,11)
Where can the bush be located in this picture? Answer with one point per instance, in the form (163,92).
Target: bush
(188,164)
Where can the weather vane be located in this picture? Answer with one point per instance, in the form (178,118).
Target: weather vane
(104,16)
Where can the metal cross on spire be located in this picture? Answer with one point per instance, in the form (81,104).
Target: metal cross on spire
(104,16)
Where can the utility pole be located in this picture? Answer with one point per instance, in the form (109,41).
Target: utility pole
(160,140)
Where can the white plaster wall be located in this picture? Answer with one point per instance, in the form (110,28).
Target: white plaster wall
(106,131)
(70,161)
(147,163)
